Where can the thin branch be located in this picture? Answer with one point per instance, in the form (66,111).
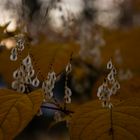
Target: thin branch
(65,111)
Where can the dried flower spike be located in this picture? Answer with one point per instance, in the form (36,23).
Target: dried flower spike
(109,87)
(24,75)
(48,85)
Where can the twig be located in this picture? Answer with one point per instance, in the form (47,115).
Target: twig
(65,111)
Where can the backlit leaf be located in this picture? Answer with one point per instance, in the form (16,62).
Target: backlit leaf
(16,111)
(92,122)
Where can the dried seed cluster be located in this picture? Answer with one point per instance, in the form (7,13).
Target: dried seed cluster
(20,45)
(109,87)
(24,76)
(68,92)
(48,85)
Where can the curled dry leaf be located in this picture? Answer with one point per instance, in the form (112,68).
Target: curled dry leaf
(92,122)
(16,111)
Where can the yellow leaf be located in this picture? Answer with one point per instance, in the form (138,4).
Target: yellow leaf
(16,111)
(92,122)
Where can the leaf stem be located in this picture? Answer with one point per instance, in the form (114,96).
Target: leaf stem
(111,130)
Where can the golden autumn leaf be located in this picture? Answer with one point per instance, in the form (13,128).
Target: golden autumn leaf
(92,122)
(16,111)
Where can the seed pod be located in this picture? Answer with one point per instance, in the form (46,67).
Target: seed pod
(105,104)
(44,84)
(67,99)
(14,84)
(114,71)
(68,91)
(112,81)
(21,88)
(44,90)
(100,89)
(50,82)
(117,85)
(53,76)
(21,73)
(68,68)
(13,57)
(106,93)
(31,73)
(35,82)
(20,44)
(113,90)
(110,105)
(109,65)
(14,51)
(29,68)
(16,74)
(46,87)
(50,94)
(21,47)
(27,60)
(49,76)
(23,67)
(28,80)
(110,77)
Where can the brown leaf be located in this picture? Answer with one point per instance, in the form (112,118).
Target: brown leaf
(92,122)
(16,111)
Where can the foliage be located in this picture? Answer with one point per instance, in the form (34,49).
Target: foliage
(50,50)
(92,121)
(16,111)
